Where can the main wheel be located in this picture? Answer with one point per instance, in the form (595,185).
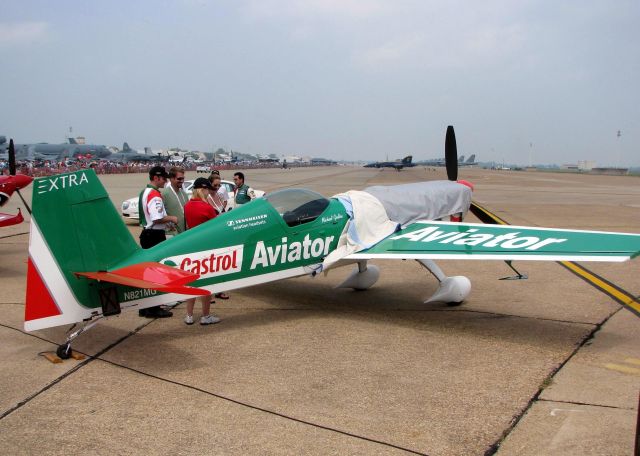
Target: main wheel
(64,351)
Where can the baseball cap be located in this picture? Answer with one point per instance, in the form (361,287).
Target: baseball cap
(158,171)
(202,182)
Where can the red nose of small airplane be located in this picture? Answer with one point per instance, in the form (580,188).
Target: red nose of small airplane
(20,180)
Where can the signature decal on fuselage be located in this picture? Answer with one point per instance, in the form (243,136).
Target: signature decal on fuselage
(471,237)
(333,218)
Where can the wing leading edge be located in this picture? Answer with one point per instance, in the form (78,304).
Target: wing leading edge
(471,241)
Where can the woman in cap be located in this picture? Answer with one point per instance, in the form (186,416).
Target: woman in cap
(197,211)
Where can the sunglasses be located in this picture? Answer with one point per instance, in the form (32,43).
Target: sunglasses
(180,178)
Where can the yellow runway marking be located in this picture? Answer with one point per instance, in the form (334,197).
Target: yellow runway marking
(623,297)
(624,369)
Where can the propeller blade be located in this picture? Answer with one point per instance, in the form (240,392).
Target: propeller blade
(12,158)
(451,154)
(12,171)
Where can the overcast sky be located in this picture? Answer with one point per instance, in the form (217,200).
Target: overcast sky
(540,81)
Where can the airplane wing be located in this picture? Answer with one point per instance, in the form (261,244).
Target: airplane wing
(471,241)
(8,219)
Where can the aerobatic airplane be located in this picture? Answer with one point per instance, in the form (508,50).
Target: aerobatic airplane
(98,269)
(10,184)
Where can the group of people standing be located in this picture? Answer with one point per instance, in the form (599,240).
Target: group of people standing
(166,208)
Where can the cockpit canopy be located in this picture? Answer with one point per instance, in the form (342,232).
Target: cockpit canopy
(297,205)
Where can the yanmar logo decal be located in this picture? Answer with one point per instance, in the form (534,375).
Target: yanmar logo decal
(471,237)
(247,222)
(61,182)
(209,263)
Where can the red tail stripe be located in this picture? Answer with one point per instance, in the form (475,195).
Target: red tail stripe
(39,303)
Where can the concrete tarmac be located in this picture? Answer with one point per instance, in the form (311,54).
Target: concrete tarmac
(548,365)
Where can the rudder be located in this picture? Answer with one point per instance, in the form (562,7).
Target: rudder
(74,228)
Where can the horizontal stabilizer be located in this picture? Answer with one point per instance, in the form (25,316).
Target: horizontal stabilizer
(153,276)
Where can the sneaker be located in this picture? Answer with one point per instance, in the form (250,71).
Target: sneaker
(209,320)
(188,319)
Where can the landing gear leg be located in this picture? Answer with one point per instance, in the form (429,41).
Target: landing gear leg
(362,278)
(452,290)
(64,351)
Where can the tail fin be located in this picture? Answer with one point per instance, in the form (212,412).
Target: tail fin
(125,147)
(74,228)
(471,159)
(73,141)
(407,159)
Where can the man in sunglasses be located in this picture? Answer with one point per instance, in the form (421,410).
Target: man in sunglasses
(175,197)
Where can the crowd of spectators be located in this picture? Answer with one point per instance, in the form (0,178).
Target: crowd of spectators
(47,168)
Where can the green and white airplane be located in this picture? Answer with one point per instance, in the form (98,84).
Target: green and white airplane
(85,265)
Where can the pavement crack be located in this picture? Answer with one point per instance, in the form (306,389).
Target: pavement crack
(13,235)
(265,410)
(70,371)
(587,404)
(547,381)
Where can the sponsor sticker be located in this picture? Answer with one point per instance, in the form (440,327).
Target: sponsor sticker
(247,222)
(209,263)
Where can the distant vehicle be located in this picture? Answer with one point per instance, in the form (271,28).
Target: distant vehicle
(203,169)
(406,162)
(55,152)
(130,206)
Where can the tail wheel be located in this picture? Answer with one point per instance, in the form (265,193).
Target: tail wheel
(64,351)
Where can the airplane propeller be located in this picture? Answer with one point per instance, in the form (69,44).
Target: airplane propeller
(451,162)
(12,158)
(451,154)
(12,172)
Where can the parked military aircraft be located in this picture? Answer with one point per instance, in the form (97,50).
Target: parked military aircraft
(10,184)
(129,155)
(471,161)
(56,152)
(442,162)
(98,269)
(406,162)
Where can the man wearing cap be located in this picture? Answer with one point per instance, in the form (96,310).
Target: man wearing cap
(175,197)
(154,220)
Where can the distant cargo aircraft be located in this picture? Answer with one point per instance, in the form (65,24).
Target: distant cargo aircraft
(406,162)
(55,152)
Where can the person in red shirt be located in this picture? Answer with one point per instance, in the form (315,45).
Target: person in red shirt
(197,211)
